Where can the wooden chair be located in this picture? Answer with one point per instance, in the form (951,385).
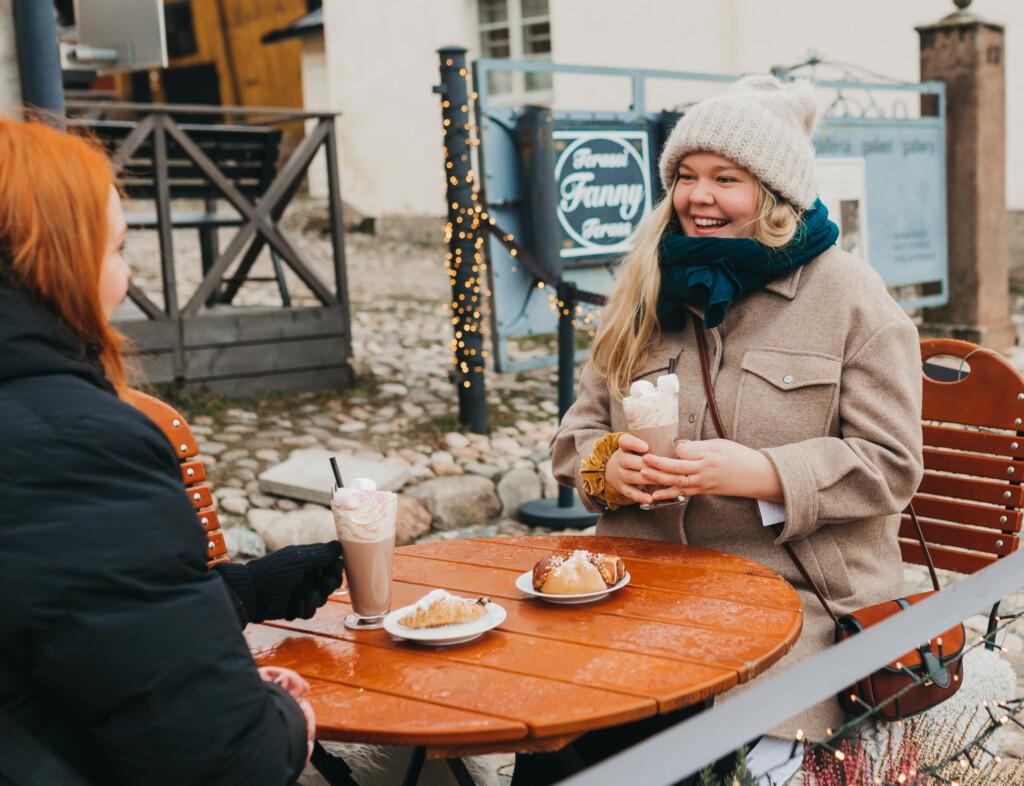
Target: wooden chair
(193,473)
(971,497)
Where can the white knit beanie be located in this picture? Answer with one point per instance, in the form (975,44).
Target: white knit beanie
(760,123)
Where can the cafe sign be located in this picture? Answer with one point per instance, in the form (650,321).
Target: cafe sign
(603,180)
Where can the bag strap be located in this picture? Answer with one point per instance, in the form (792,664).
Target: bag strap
(924,546)
(716,418)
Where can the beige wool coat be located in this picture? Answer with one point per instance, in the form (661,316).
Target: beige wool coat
(820,371)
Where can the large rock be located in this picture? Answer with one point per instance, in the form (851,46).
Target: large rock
(516,488)
(243,544)
(307,475)
(238,505)
(547,479)
(457,501)
(489,471)
(413,520)
(447,470)
(279,528)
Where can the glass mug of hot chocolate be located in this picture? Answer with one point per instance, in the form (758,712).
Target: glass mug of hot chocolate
(652,414)
(365,520)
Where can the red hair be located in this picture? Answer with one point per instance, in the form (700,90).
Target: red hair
(54,192)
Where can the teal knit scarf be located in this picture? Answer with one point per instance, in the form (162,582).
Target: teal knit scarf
(712,273)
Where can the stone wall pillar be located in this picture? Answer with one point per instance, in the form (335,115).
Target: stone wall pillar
(968,54)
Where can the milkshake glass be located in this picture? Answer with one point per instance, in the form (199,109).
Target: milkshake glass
(365,521)
(652,414)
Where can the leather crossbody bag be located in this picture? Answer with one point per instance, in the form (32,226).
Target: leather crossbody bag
(913,683)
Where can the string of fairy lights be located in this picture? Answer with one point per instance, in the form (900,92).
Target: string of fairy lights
(464,221)
(469,222)
(965,758)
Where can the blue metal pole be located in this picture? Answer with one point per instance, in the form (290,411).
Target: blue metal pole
(35,35)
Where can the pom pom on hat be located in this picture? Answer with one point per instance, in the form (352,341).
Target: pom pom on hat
(760,123)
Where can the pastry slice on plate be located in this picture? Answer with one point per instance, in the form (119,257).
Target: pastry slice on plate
(439,607)
(577,573)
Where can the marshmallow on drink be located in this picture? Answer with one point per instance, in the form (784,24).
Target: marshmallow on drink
(361,513)
(650,406)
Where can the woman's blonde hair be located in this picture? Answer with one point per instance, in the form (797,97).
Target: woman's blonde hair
(629,328)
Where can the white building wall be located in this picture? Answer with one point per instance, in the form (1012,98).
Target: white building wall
(315,97)
(10,89)
(381,65)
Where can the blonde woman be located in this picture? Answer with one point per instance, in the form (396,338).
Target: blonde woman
(815,368)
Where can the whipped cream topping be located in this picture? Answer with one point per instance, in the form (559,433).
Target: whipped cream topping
(579,556)
(575,566)
(361,513)
(649,406)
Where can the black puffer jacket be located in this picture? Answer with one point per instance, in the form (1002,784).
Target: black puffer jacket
(119,651)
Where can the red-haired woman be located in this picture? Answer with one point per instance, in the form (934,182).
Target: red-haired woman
(121,655)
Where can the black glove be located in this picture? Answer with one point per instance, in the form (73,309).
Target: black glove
(292,582)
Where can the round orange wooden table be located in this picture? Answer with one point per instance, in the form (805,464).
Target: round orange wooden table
(691,624)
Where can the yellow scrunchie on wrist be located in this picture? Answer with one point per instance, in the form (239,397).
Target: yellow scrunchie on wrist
(592,472)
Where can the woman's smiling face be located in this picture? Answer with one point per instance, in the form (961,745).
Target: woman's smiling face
(714,197)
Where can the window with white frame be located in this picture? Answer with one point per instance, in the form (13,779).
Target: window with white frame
(517,30)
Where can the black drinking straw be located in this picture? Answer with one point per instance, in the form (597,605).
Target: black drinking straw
(337,472)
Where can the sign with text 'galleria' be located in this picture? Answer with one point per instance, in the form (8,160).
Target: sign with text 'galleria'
(603,179)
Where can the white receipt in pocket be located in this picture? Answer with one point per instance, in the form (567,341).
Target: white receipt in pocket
(771,512)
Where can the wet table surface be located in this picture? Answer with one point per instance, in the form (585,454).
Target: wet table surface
(691,624)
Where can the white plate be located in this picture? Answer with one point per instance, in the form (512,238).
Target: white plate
(443,635)
(524,583)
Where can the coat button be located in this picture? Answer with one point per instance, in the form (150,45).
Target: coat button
(788,378)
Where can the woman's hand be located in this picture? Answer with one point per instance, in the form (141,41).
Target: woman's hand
(294,684)
(712,466)
(623,470)
(296,687)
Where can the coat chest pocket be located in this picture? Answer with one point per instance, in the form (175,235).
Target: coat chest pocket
(785,397)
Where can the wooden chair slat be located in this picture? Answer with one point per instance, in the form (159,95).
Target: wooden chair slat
(965,536)
(173,425)
(945,558)
(961,537)
(200,496)
(192,472)
(169,421)
(215,545)
(988,397)
(938,436)
(972,464)
(1009,494)
(209,519)
(1003,519)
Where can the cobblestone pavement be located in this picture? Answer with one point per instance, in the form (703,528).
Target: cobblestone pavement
(402,408)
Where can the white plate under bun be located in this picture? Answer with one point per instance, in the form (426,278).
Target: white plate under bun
(444,635)
(524,583)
